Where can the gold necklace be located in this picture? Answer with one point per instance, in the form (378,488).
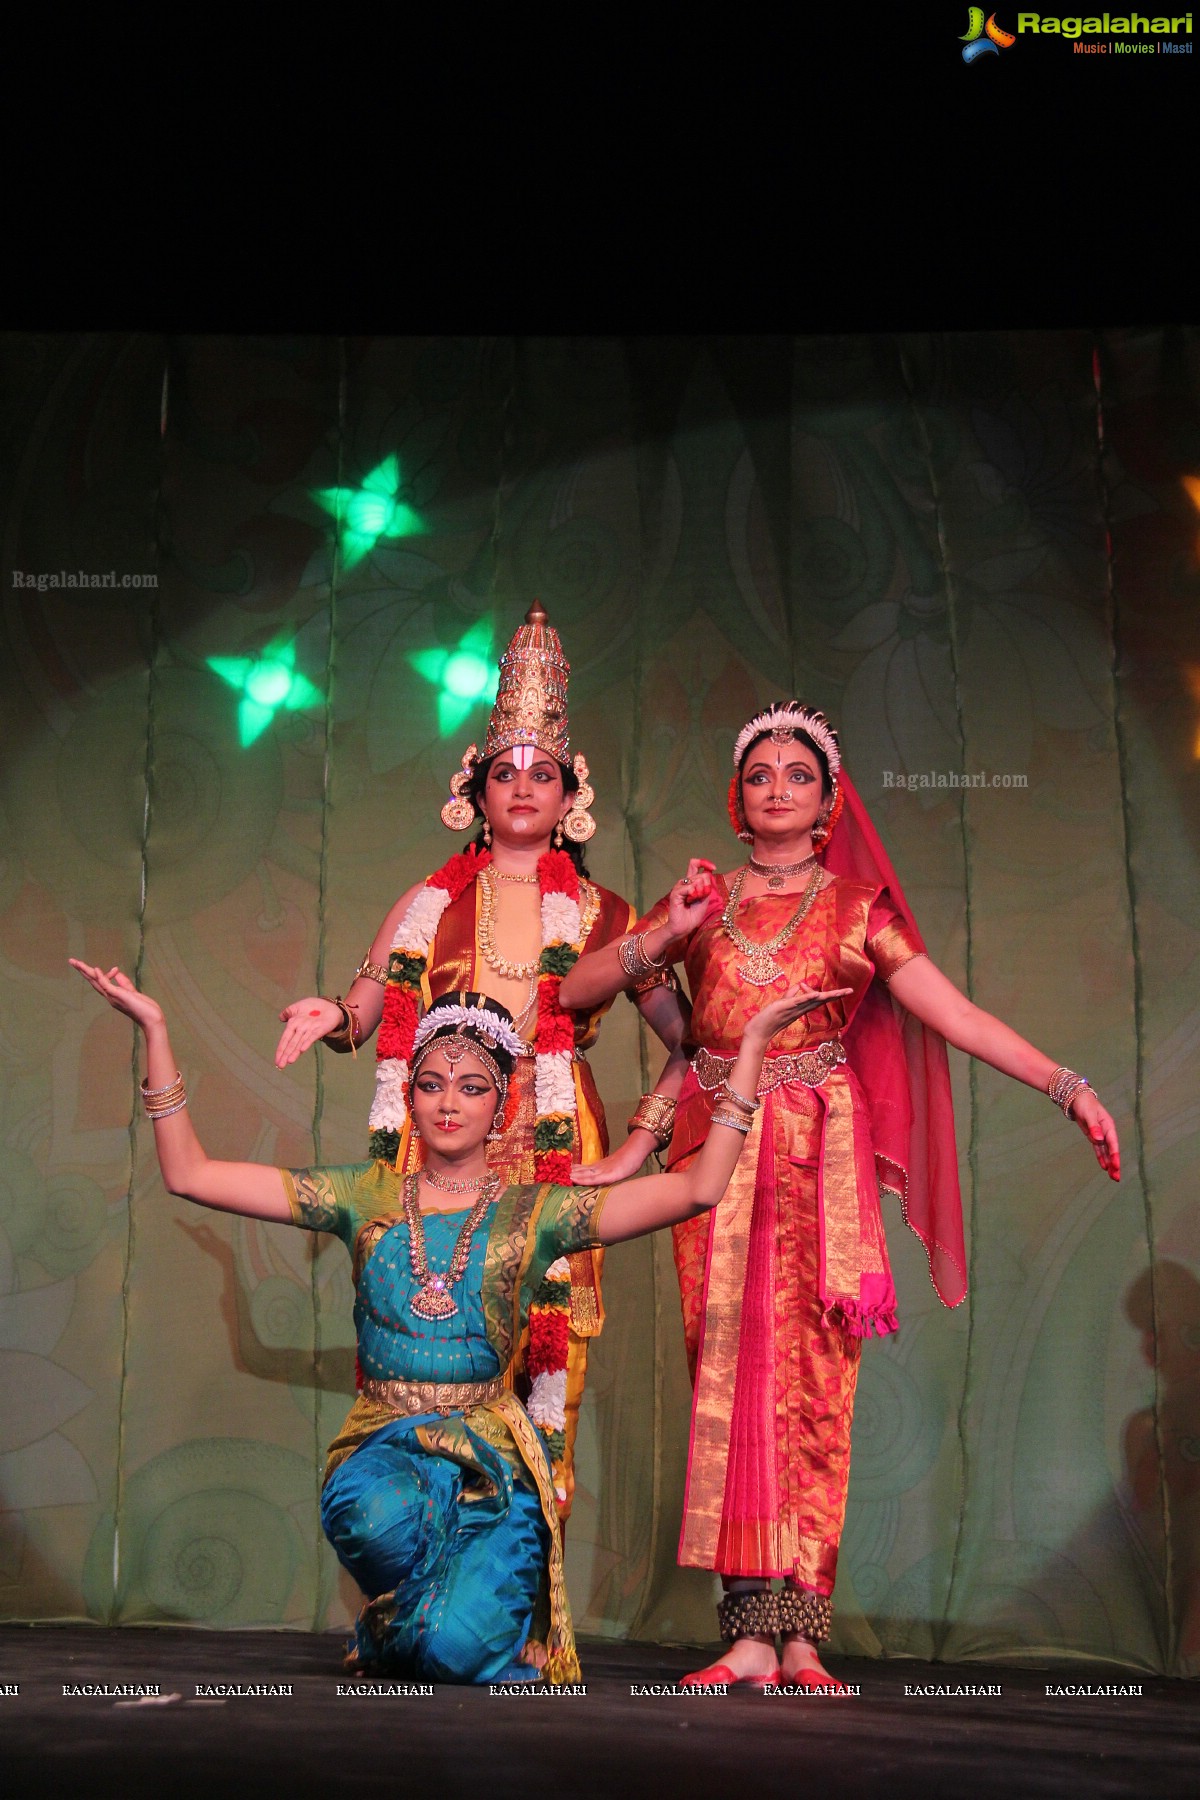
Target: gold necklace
(760,967)
(503,875)
(448,1185)
(432,1298)
(485,936)
(777,873)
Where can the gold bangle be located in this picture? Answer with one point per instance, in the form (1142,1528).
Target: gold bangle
(165,1112)
(149,1093)
(726,1093)
(371,971)
(160,1103)
(735,1121)
(1063,1088)
(654,1113)
(636,959)
(661,978)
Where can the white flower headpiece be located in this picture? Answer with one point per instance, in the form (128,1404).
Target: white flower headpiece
(489,1025)
(789,719)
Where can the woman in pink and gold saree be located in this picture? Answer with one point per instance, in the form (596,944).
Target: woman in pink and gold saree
(780,1288)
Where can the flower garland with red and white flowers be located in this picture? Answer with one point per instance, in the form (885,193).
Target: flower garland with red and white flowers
(564,931)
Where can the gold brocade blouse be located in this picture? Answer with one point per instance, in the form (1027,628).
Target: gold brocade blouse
(851,933)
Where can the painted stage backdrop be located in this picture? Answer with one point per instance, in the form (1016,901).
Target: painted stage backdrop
(253,589)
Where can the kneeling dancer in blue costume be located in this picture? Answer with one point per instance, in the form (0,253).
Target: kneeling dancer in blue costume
(437,1494)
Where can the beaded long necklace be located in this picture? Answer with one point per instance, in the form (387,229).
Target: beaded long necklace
(760,967)
(432,1299)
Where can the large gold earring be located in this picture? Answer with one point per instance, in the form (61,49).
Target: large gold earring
(558,835)
(458,814)
(487,832)
(496,1128)
(579,824)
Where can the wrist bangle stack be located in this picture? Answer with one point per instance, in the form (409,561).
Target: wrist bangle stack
(371,971)
(636,959)
(735,1120)
(1063,1086)
(730,1096)
(345,1036)
(654,1113)
(161,1102)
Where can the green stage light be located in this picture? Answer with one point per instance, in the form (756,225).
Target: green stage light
(464,676)
(364,515)
(266,683)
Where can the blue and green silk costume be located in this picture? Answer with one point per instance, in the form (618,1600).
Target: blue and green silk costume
(448,1524)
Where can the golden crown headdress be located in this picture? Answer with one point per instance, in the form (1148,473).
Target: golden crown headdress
(530,710)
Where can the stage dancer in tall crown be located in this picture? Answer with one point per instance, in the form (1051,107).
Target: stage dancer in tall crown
(508,917)
(780,1287)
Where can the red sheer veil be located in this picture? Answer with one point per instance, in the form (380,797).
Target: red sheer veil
(904,1072)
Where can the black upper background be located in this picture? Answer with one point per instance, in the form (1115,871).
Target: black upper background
(596,173)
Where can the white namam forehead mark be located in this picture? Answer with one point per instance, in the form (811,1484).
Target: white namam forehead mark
(523,756)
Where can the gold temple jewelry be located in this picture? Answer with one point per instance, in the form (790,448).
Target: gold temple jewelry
(454,1047)
(775,874)
(736,1099)
(760,967)
(486,938)
(636,960)
(503,875)
(446,1184)
(443,1397)
(734,1120)
(1064,1087)
(812,1068)
(371,971)
(149,1093)
(654,1113)
(432,1299)
(161,1103)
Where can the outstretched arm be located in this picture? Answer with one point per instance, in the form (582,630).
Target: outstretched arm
(636,1207)
(253,1189)
(307,1021)
(933,998)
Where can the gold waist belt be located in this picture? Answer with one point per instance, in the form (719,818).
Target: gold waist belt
(810,1067)
(432,1396)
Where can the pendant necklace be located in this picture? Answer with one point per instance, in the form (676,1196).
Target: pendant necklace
(432,1299)
(775,874)
(760,967)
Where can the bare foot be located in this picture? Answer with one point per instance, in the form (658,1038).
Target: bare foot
(749,1658)
(800,1659)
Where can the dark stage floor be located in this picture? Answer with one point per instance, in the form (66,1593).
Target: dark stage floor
(1021,1742)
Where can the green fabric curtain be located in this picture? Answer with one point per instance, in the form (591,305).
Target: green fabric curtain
(978,553)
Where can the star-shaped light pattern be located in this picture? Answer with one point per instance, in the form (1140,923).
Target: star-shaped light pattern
(267,682)
(370,512)
(464,675)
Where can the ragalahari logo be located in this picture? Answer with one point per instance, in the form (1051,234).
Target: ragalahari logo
(983,39)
